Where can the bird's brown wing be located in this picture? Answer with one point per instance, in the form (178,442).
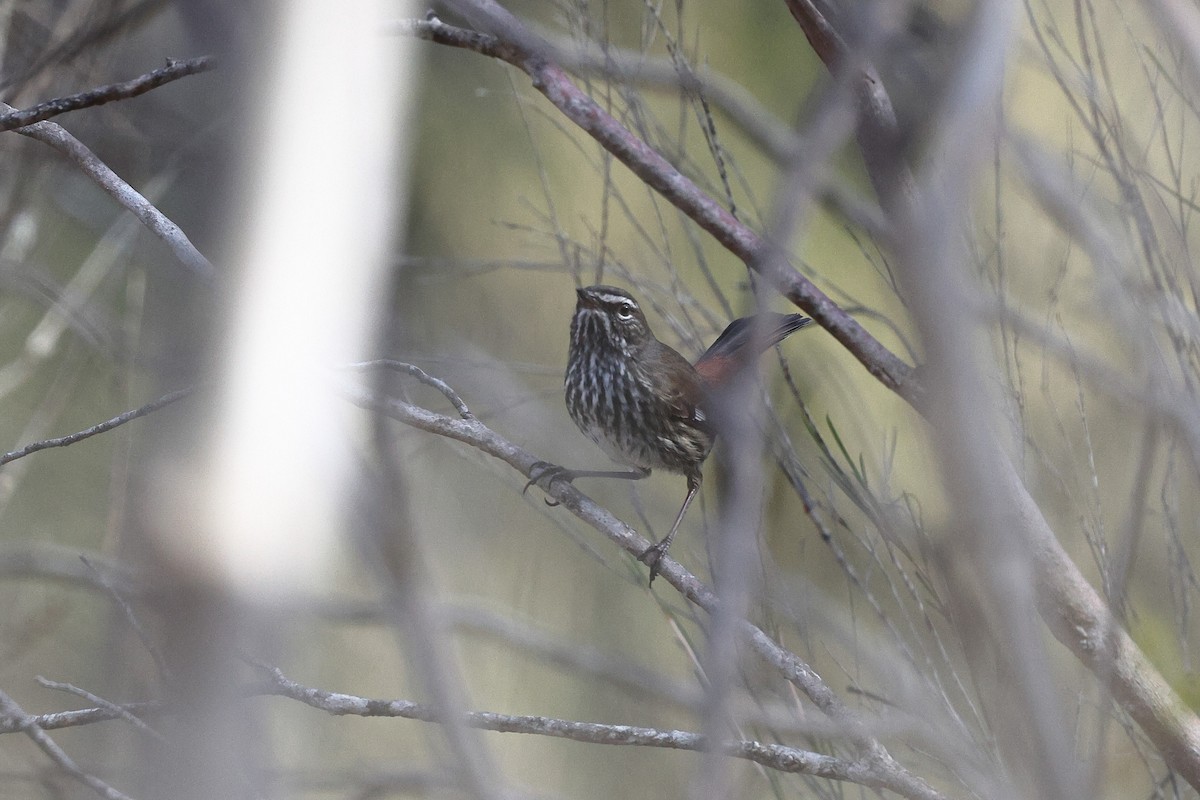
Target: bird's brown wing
(678,385)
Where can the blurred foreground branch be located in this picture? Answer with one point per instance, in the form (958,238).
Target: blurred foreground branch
(991,494)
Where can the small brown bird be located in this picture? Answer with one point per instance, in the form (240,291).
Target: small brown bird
(641,401)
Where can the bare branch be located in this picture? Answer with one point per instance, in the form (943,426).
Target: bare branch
(57,720)
(123,713)
(866,772)
(631,68)
(106,94)
(635,68)
(52,134)
(788,664)
(424,377)
(1068,604)
(101,427)
(774,756)
(28,725)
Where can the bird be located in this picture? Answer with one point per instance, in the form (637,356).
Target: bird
(643,403)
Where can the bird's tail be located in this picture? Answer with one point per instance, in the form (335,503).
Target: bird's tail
(736,344)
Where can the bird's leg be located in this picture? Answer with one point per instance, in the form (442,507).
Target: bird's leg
(652,555)
(545,470)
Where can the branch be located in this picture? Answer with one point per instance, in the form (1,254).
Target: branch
(774,756)
(1072,609)
(879,136)
(1070,606)
(421,375)
(28,725)
(873,756)
(528,54)
(102,427)
(872,773)
(127,197)
(58,720)
(115,708)
(106,94)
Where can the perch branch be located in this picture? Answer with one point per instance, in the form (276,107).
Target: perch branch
(421,375)
(475,434)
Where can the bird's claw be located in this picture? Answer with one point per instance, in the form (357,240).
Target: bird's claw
(652,557)
(536,473)
(544,469)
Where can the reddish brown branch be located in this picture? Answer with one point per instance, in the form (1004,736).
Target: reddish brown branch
(878,131)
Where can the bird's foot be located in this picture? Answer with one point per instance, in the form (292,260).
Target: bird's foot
(652,557)
(544,470)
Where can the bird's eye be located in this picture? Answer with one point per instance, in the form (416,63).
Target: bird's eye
(625,311)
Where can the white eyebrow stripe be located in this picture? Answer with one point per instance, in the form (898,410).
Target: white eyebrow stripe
(616,299)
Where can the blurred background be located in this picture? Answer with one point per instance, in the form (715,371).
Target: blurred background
(1079,240)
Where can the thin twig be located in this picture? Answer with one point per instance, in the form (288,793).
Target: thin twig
(106,94)
(58,720)
(160,662)
(29,726)
(102,427)
(421,375)
(101,702)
